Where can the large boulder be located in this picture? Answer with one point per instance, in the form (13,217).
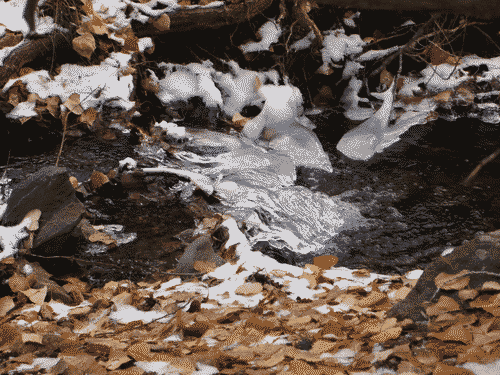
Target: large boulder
(50,191)
(480,254)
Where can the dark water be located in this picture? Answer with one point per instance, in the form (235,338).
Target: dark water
(413,191)
(420,177)
(145,210)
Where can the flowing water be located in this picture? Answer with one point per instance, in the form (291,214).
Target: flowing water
(413,191)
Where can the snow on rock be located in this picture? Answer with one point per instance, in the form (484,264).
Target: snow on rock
(350,101)
(374,135)
(240,86)
(269,33)
(184,82)
(10,237)
(445,76)
(337,46)
(96,85)
(362,142)
(278,123)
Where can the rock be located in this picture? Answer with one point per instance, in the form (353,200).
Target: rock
(480,254)
(50,191)
(201,249)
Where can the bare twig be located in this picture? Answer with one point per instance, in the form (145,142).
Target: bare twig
(476,170)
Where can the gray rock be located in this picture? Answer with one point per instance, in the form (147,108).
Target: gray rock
(480,254)
(50,191)
(201,249)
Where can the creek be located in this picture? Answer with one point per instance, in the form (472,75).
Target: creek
(413,189)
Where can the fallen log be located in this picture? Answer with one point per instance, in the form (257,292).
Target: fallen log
(208,18)
(481,9)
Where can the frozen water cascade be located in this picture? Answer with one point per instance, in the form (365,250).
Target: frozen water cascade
(253,174)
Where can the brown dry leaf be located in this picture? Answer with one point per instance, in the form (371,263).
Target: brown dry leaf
(52,105)
(97,26)
(162,23)
(466,294)
(116,359)
(368,327)
(438,56)
(401,293)
(46,312)
(97,179)
(37,296)
(204,266)
(17,93)
(124,298)
(442,369)
(323,98)
(297,321)
(425,356)
(386,78)
(372,299)
(210,223)
(454,333)
(299,367)
(31,337)
(271,361)
(73,181)
(88,117)
(9,260)
(249,289)
(452,282)
(140,351)
(443,97)
(464,95)
(84,45)
(481,339)
(390,334)
(149,85)
(445,304)
(361,273)
(491,286)
(34,216)
(495,311)
(486,300)
(18,283)
(6,304)
(10,40)
(312,278)
(128,71)
(81,364)
(322,346)
(389,323)
(334,329)
(473,354)
(73,104)
(239,121)
(102,237)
